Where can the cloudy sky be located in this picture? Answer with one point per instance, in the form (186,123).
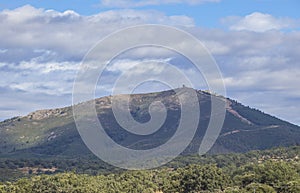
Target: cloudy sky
(256,44)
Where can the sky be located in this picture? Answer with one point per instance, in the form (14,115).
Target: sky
(256,44)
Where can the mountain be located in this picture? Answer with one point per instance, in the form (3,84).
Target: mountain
(48,133)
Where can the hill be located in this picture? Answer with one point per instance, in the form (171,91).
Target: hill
(52,132)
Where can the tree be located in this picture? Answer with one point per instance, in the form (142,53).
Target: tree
(259,188)
(195,178)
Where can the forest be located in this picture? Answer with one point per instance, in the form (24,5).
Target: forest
(276,170)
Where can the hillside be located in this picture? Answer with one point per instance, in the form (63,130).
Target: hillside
(48,133)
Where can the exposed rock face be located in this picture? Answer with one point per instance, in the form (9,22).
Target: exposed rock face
(235,113)
(43,114)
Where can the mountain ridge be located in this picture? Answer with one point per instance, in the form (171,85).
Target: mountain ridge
(52,132)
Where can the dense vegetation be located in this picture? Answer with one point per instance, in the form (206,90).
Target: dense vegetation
(269,176)
(276,170)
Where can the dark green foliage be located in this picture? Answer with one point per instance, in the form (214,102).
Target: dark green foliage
(259,188)
(277,174)
(266,177)
(256,116)
(276,170)
(291,186)
(197,178)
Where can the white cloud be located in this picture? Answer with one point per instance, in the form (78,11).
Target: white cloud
(28,13)
(54,79)
(259,69)
(129,17)
(26,29)
(21,14)
(42,49)
(216,47)
(258,22)
(48,67)
(2,51)
(16,103)
(143,3)
(263,79)
(138,66)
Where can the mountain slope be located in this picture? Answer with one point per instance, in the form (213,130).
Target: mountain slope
(53,132)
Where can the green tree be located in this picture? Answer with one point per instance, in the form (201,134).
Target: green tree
(195,178)
(259,188)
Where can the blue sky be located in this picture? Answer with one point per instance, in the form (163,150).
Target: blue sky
(205,14)
(256,44)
